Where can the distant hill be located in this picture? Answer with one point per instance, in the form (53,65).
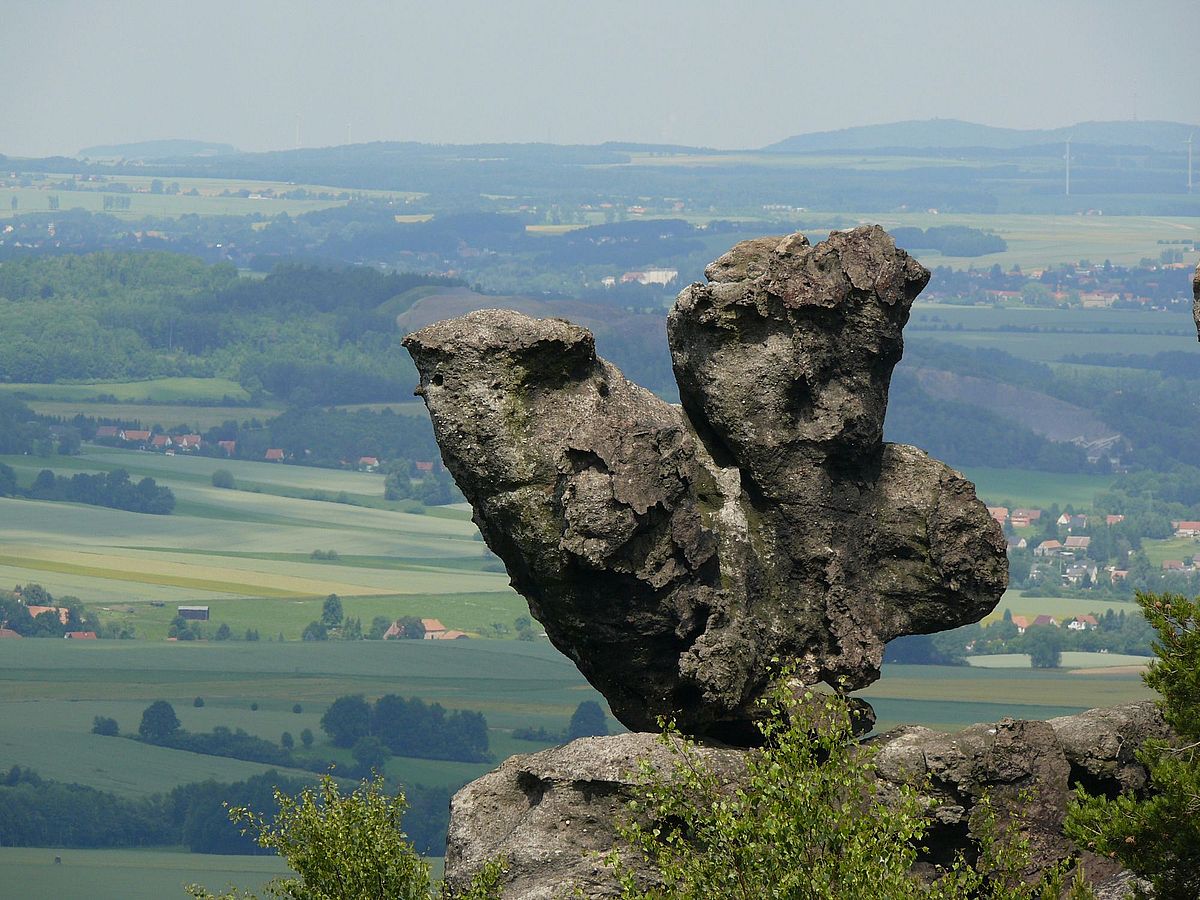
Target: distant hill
(945,134)
(146,150)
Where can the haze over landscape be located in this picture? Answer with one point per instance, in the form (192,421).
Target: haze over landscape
(232,552)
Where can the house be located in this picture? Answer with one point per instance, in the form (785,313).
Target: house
(1017,543)
(130,436)
(1077,523)
(106,431)
(1078,542)
(1019,521)
(1173,565)
(274,454)
(1064,519)
(1048,548)
(1083,623)
(80,635)
(433,629)
(1031,514)
(451,635)
(62,612)
(371,463)
(1021,622)
(1075,575)
(1113,520)
(424,468)
(8,633)
(999,513)
(161,441)
(229,447)
(196,613)
(188,441)
(1046,620)
(1187,529)
(1118,574)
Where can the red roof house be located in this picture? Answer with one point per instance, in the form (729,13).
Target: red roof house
(80,635)
(274,455)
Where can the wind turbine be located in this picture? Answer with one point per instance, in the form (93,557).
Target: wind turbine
(1068,158)
(1189,143)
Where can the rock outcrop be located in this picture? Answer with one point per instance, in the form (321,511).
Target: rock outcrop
(677,555)
(1196,299)
(551,814)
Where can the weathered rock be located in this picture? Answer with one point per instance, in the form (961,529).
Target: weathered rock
(552,814)
(678,555)
(1196,299)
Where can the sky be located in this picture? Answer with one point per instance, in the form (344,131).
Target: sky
(728,75)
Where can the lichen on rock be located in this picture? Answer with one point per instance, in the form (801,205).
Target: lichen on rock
(678,555)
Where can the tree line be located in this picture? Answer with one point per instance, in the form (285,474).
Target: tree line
(407,727)
(41,812)
(114,489)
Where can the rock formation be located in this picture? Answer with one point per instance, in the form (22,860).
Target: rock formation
(678,554)
(551,814)
(1196,299)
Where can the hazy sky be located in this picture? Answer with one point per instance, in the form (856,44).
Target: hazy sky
(73,74)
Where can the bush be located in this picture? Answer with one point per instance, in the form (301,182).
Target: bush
(223,478)
(159,722)
(297,708)
(198,702)
(1158,837)
(254,707)
(105,726)
(347,846)
(806,823)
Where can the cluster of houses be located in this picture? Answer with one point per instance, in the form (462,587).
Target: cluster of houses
(146,440)
(63,614)
(434,631)
(1079,623)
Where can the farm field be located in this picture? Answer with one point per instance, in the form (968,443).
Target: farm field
(168,415)
(948,698)
(30,873)
(251,551)
(155,390)
(55,688)
(1022,604)
(1026,487)
(207,202)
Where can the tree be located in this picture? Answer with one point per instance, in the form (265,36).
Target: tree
(223,478)
(286,741)
(224,633)
(315,631)
(105,726)
(1044,643)
(370,754)
(347,720)
(306,738)
(347,847)
(410,628)
(379,626)
(807,822)
(587,721)
(159,722)
(1158,836)
(331,611)
(8,481)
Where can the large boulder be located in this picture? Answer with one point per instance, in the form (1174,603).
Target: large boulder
(678,555)
(552,815)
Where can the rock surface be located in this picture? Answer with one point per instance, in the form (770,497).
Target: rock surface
(551,814)
(1196,299)
(677,554)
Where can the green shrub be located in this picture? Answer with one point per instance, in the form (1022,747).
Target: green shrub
(1158,837)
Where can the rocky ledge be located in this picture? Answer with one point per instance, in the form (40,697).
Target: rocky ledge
(551,814)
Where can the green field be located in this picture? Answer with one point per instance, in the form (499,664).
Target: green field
(32,873)
(1024,487)
(247,553)
(168,415)
(208,202)
(155,390)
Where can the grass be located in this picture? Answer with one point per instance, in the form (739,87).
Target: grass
(155,390)
(31,873)
(1022,604)
(1025,487)
(197,418)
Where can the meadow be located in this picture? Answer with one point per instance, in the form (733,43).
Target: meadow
(248,553)
(154,390)
(44,873)
(206,202)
